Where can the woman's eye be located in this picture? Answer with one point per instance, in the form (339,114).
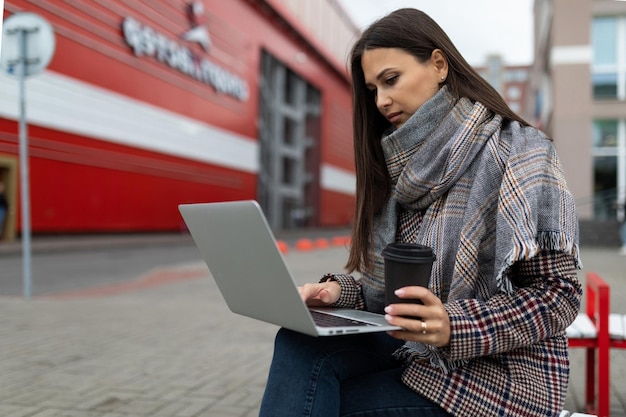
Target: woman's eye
(391,80)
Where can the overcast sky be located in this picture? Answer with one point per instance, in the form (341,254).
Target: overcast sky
(477,27)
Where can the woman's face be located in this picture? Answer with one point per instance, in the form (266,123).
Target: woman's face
(400,83)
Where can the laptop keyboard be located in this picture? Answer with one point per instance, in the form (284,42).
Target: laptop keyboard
(327,320)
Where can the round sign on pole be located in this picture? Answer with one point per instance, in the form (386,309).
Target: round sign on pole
(27,48)
(40,43)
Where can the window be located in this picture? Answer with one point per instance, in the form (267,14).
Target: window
(604,37)
(516,75)
(604,187)
(289,155)
(607,137)
(605,133)
(608,35)
(513,93)
(604,85)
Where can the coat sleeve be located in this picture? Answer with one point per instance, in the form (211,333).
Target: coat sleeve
(351,294)
(545,301)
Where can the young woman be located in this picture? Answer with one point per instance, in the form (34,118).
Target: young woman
(442,161)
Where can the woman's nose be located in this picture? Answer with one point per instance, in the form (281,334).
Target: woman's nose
(383,100)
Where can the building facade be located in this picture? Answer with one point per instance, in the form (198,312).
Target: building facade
(579,86)
(147,105)
(511,81)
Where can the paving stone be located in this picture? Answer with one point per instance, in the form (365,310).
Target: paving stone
(17,411)
(170,409)
(139,407)
(66,413)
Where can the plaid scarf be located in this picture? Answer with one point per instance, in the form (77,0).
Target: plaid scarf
(489,196)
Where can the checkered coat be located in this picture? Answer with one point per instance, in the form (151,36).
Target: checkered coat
(515,345)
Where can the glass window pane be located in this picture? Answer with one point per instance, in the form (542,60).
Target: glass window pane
(516,76)
(291,88)
(605,187)
(289,174)
(290,131)
(604,86)
(604,38)
(605,133)
(513,92)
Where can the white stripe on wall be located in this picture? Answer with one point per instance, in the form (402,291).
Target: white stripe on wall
(337,179)
(571,55)
(59,102)
(66,104)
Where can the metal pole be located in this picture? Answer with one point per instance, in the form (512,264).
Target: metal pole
(26,247)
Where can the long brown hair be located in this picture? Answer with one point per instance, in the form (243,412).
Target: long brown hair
(416,33)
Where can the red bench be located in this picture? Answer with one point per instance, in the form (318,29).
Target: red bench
(597,331)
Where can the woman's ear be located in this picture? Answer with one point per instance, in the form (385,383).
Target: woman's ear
(439,60)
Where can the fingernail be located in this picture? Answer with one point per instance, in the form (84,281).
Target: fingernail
(399,291)
(388,317)
(388,309)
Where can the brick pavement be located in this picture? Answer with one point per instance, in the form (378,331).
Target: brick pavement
(173,349)
(166,350)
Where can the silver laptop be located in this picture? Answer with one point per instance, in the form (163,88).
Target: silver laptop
(239,249)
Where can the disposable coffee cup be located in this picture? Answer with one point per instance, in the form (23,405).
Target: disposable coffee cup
(406,264)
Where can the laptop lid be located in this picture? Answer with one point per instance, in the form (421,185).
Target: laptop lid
(241,252)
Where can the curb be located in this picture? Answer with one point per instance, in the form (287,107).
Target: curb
(306,244)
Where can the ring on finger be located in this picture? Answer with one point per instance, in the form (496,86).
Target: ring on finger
(423,327)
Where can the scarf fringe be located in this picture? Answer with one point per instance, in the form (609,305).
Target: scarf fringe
(420,351)
(547,240)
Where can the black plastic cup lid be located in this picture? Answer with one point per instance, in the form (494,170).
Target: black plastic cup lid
(408,252)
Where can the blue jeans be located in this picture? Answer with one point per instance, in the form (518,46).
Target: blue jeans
(348,376)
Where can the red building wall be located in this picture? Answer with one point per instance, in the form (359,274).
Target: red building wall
(88,180)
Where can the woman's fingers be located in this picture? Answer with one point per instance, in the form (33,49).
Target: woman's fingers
(322,294)
(426,323)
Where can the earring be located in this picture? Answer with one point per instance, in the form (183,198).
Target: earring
(443,78)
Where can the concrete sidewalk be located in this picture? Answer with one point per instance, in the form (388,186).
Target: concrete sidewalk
(171,347)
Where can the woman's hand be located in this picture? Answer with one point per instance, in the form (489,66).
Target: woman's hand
(320,295)
(434,326)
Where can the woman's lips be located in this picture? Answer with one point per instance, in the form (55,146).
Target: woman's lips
(393,117)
